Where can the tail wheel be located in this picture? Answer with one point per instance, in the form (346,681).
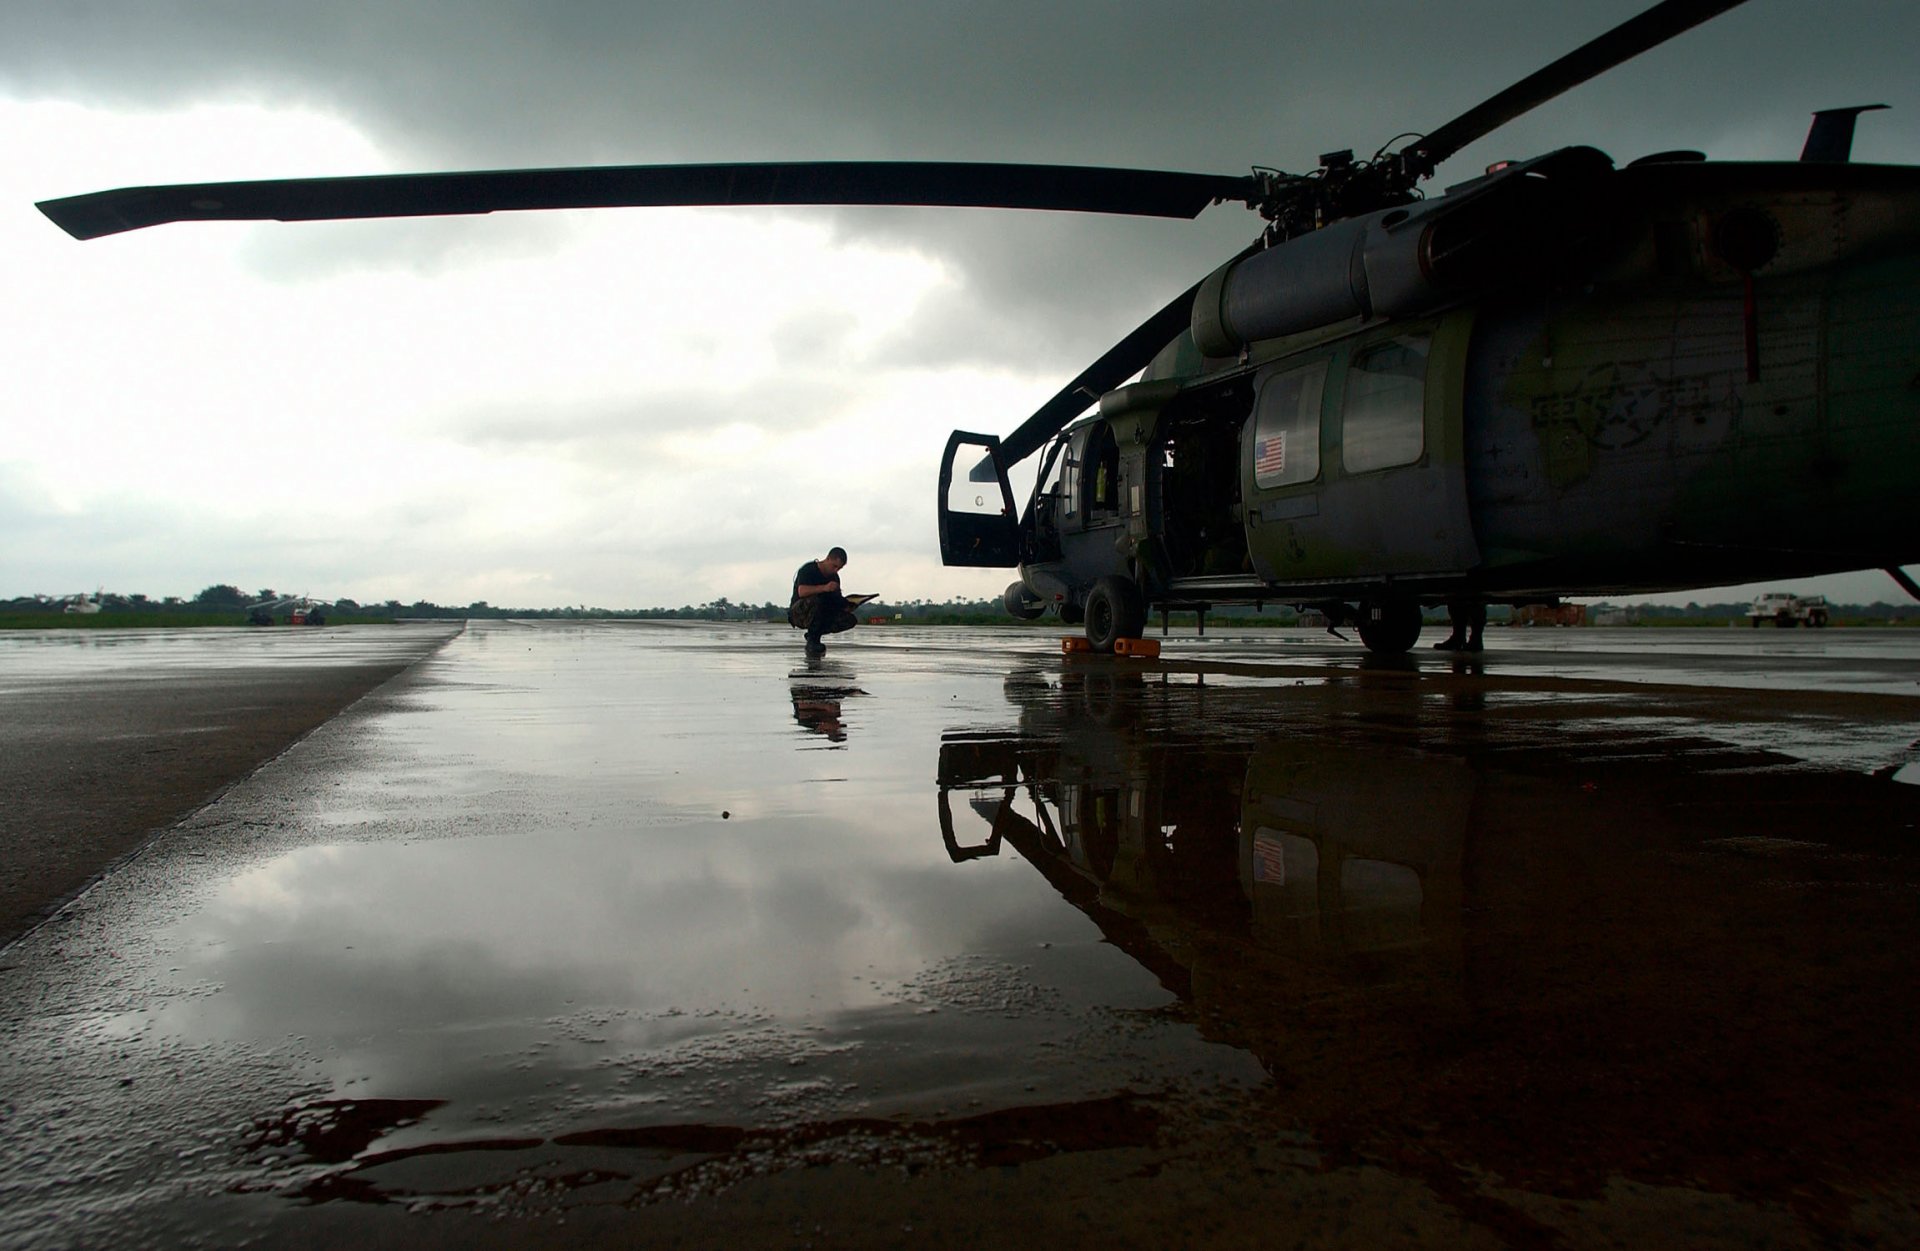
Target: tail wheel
(1389,627)
(1115,610)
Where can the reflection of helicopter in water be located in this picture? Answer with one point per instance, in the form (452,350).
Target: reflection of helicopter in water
(1555,378)
(1550,955)
(1278,840)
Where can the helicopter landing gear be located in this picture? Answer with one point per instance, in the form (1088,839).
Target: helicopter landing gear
(1019,605)
(1115,610)
(1388,627)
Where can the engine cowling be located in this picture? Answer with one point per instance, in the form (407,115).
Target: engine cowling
(1406,260)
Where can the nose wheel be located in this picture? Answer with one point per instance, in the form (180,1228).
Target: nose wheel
(1115,610)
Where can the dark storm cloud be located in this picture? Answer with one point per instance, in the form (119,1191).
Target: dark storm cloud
(1206,86)
(1211,87)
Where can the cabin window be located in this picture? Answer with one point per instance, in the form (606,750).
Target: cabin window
(1286,431)
(1384,422)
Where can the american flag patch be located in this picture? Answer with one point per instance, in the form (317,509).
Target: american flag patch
(1269,860)
(1270,456)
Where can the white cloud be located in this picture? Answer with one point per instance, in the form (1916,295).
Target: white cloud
(424,418)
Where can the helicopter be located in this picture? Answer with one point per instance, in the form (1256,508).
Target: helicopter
(1559,378)
(299,610)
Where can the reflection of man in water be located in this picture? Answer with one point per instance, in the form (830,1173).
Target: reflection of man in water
(817,606)
(818,714)
(818,707)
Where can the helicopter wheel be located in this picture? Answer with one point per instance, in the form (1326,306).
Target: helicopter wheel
(1389,627)
(1115,610)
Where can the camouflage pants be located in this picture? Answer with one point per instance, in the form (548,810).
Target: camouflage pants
(826,613)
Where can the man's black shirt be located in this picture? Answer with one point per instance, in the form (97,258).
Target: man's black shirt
(811,575)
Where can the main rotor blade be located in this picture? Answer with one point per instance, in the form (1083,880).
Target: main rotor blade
(1131,192)
(1120,362)
(1624,42)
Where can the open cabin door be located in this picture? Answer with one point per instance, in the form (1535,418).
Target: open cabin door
(978,523)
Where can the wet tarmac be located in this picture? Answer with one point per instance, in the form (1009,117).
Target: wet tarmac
(662,934)
(111,735)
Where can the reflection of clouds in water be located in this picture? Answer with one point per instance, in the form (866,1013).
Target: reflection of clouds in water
(275,887)
(686,967)
(788,917)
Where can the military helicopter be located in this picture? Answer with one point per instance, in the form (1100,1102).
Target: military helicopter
(1560,377)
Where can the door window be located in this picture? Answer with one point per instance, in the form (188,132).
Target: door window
(971,496)
(1384,421)
(1286,432)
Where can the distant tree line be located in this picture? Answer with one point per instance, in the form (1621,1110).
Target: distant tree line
(225,603)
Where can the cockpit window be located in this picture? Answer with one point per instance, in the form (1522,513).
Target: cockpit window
(1384,420)
(1286,436)
(1052,469)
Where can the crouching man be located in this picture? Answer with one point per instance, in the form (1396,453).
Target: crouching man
(818,607)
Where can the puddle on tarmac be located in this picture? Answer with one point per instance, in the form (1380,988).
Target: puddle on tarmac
(658,910)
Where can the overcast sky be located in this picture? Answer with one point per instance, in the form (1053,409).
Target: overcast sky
(658,406)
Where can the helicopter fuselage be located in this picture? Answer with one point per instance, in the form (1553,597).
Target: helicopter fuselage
(1681,374)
